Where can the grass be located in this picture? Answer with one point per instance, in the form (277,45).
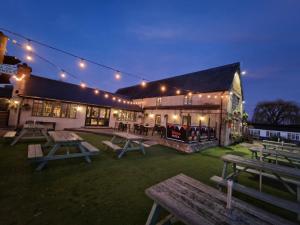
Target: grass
(107,191)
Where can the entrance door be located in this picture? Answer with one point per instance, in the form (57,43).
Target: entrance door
(97,116)
(158,120)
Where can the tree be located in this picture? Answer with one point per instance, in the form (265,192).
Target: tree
(277,112)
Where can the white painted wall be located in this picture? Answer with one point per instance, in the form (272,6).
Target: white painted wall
(61,123)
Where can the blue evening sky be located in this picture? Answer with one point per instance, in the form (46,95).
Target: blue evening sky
(157,39)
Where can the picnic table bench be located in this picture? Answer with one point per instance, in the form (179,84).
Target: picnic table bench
(61,139)
(10,134)
(130,139)
(283,174)
(281,147)
(292,158)
(31,131)
(195,203)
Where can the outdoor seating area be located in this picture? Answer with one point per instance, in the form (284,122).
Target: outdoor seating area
(187,198)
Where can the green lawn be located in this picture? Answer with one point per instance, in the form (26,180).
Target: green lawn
(108,191)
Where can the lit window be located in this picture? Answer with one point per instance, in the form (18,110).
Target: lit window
(158,101)
(187,100)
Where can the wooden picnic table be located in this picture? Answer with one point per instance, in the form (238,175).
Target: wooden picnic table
(31,131)
(280,172)
(291,157)
(195,203)
(66,139)
(130,140)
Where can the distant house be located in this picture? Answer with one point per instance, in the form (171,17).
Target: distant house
(266,131)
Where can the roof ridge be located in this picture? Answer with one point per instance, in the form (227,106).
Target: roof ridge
(186,74)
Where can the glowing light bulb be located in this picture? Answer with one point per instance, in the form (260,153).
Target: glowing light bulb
(200,96)
(29,58)
(190,94)
(96,91)
(178,92)
(244,72)
(82,64)
(83,85)
(143,83)
(106,96)
(114,98)
(63,74)
(208,96)
(28,47)
(118,75)
(163,88)
(119,100)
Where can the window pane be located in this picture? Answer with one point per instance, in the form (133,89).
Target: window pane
(64,110)
(102,112)
(56,109)
(47,109)
(95,112)
(37,108)
(73,110)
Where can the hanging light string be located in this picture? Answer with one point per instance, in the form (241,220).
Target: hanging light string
(118,72)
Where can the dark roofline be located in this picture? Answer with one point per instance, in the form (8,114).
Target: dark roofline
(186,74)
(77,85)
(217,79)
(38,87)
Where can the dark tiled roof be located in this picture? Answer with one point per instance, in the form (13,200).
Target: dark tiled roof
(290,128)
(42,87)
(6,91)
(210,80)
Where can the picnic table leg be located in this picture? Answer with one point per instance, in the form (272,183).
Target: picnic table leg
(83,151)
(298,199)
(51,153)
(22,133)
(113,138)
(124,149)
(154,214)
(142,148)
(224,172)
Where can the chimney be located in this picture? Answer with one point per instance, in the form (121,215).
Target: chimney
(23,74)
(3,42)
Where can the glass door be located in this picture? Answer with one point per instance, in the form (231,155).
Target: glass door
(97,116)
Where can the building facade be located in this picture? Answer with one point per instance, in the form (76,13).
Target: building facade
(208,101)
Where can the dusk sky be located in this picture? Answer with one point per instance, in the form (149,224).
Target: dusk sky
(158,39)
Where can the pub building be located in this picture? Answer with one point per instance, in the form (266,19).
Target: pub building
(190,107)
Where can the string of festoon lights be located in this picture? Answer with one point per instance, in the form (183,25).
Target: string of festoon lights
(27,45)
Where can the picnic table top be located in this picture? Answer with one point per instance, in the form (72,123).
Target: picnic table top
(128,136)
(261,165)
(279,143)
(64,136)
(195,203)
(33,126)
(294,155)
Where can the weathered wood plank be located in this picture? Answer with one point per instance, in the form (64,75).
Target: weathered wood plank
(270,176)
(10,134)
(112,145)
(282,203)
(89,147)
(253,163)
(195,203)
(35,151)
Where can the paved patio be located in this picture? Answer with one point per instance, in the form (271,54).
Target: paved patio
(156,139)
